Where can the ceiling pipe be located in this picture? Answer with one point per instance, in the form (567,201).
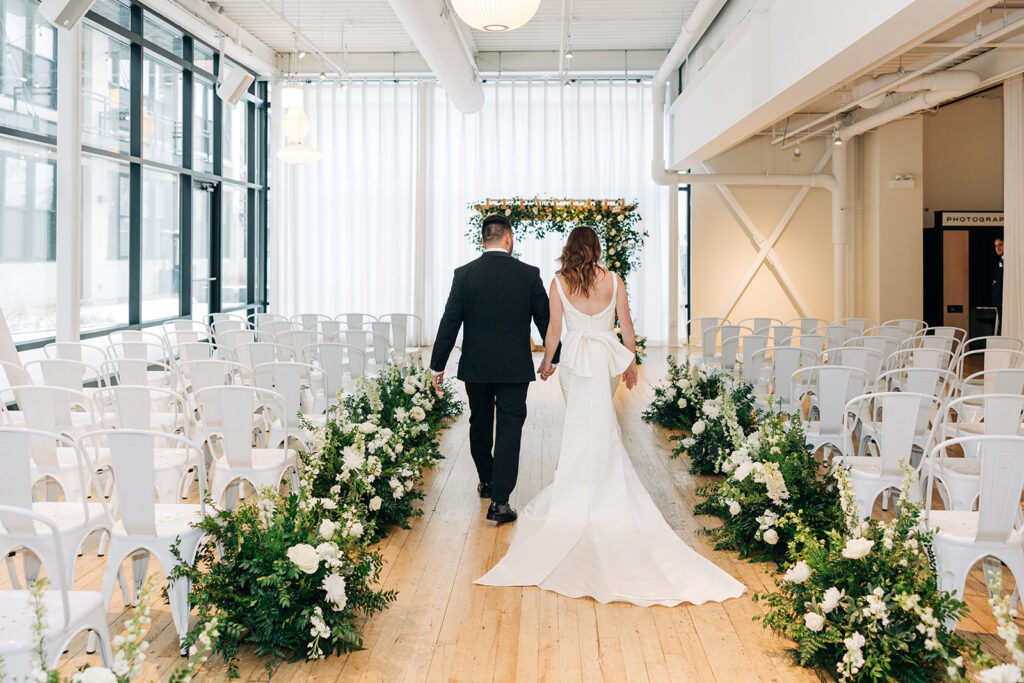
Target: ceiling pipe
(943,80)
(313,47)
(965,82)
(432,27)
(822,180)
(992,36)
(693,28)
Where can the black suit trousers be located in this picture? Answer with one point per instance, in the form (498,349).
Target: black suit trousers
(496,451)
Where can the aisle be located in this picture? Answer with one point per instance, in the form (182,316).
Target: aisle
(444,628)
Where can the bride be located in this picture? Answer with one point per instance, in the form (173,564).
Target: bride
(595,530)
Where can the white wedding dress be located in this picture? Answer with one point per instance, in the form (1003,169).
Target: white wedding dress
(595,530)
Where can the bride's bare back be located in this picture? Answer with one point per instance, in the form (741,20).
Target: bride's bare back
(597,299)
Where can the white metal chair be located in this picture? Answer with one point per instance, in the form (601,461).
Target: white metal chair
(355,321)
(867,359)
(831,387)
(962,537)
(708,336)
(231,414)
(257,320)
(835,335)
(898,419)
(785,361)
(303,387)
(75,520)
(251,354)
(814,342)
(336,361)
(78,610)
(807,325)
(755,367)
(329,329)
(78,351)
(298,340)
(760,325)
(988,359)
(993,415)
(310,321)
(920,357)
(184,331)
(783,334)
(269,330)
(403,326)
(199,374)
(230,340)
(145,524)
(856,326)
(67,373)
(884,345)
(730,336)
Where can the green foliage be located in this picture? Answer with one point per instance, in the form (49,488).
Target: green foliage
(861,600)
(773,487)
(295,574)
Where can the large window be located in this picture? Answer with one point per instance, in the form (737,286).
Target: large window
(172,177)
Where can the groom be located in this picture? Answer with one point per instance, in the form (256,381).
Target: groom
(493,299)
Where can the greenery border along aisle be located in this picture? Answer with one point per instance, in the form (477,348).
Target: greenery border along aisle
(858,598)
(617,224)
(295,574)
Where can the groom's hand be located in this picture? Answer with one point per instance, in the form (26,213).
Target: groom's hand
(438,382)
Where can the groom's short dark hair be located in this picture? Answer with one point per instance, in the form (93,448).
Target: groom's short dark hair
(494,228)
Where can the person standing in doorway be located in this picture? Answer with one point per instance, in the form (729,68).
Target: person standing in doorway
(997,285)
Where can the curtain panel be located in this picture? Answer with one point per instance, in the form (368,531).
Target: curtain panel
(379,224)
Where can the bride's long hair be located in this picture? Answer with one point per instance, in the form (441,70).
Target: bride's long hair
(580,257)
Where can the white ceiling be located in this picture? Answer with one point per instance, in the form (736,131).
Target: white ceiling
(371,26)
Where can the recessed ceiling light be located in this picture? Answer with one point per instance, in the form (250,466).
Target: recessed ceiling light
(495,27)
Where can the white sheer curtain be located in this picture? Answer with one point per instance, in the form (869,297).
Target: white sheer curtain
(342,228)
(1013,205)
(345,229)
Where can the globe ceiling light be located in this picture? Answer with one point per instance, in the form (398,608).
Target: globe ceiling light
(496,15)
(295,126)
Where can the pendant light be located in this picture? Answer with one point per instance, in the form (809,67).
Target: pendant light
(295,126)
(495,15)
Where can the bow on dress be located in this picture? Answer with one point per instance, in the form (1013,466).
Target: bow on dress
(581,349)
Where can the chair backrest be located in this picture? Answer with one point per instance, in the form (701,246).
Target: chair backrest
(899,417)
(131,336)
(251,354)
(868,360)
(989,359)
(405,326)
(855,325)
(293,381)
(931,381)
(884,345)
(708,334)
(1009,381)
(309,321)
(835,335)
(783,334)
(298,339)
(213,373)
(910,326)
(335,360)
(184,330)
(13,374)
(230,339)
(1002,481)
(49,409)
(79,351)
(271,329)
(329,329)
(1000,414)
(814,342)
(62,372)
(786,360)
(919,358)
(807,325)
(760,325)
(233,324)
(730,336)
(192,351)
(18,446)
(833,386)
(144,350)
(752,347)
(57,573)
(230,413)
(133,459)
(137,371)
(355,321)
(381,342)
(991,342)
(134,407)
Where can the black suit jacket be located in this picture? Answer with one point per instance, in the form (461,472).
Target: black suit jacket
(493,298)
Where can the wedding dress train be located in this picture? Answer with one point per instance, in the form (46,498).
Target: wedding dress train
(595,530)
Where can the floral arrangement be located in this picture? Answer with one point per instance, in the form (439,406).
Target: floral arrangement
(773,487)
(862,600)
(618,225)
(677,402)
(295,574)
(129,649)
(1006,628)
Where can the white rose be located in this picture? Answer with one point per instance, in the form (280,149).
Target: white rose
(798,573)
(743,471)
(304,557)
(327,529)
(857,548)
(367,428)
(831,599)
(771,537)
(682,403)
(1004,673)
(698,428)
(334,587)
(417,414)
(814,621)
(375,503)
(94,674)
(356,529)
(734,508)
(326,551)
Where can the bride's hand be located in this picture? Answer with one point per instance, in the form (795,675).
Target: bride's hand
(545,370)
(630,375)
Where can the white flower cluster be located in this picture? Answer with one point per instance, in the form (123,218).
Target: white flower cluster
(318,628)
(853,659)
(770,474)
(876,608)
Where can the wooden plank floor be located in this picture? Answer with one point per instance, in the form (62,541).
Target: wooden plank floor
(444,628)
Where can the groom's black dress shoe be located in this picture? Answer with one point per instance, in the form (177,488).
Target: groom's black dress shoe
(501,513)
(484,490)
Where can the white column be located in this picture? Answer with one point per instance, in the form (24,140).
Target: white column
(69,182)
(673,265)
(839,233)
(425,105)
(1013,206)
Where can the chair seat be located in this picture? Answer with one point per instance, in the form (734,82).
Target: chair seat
(961,527)
(67,516)
(867,466)
(965,467)
(170,520)
(263,459)
(16,615)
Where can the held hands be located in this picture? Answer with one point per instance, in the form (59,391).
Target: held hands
(629,375)
(545,370)
(438,382)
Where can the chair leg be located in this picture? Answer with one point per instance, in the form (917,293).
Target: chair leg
(177,595)
(12,570)
(140,566)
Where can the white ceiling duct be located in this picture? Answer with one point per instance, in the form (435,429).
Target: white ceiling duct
(938,81)
(432,27)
